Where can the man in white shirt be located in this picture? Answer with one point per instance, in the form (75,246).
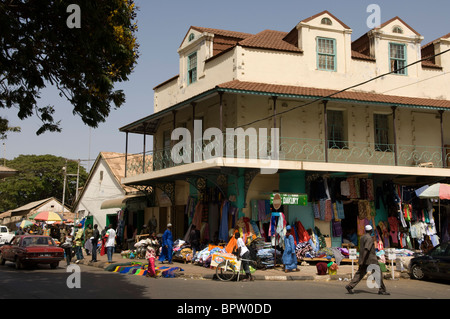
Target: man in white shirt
(110,242)
(244,253)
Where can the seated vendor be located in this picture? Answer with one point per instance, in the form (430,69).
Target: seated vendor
(351,237)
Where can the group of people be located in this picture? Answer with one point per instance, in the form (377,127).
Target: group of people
(72,240)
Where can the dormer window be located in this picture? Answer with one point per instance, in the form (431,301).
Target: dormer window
(191,37)
(326,21)
(192,68)
(397,58)
(397,30)
(326,54)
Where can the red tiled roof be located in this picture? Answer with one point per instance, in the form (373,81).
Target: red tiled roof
(225,33)
(319,93)
(361,56)
(269,39)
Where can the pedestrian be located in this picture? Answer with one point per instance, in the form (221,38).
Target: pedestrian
(244,253)
(94,240)
(150,254)
(367,257)
(110,242)
(67,246)
(88,239)
(79,244)
(194,241)
(167,245)
(289,257)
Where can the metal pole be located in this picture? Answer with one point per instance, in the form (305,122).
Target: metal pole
(325,124)
(126,153)
(143,153)
(444,162)
(64,186)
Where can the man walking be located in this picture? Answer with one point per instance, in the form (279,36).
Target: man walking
(95,237)
(367,257)
(167,245)
(110,242)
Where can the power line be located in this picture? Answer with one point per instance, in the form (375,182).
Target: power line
(343,90)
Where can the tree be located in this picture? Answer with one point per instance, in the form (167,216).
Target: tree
(39,177)
(40,45)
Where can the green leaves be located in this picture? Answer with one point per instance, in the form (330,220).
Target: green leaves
(39,177)
(37,48)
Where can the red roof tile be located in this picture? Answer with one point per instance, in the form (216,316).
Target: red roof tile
(269,39)
(320,93)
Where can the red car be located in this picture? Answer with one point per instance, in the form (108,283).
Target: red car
(27,250)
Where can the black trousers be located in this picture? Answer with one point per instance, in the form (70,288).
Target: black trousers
(362,271)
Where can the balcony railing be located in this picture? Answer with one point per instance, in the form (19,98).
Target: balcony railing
(300,149)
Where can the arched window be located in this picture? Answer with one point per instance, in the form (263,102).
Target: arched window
(326,21)
(397,30)
(191,37)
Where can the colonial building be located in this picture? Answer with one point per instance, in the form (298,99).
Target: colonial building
(371,109)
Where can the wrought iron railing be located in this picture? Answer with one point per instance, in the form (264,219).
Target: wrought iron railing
(295,149)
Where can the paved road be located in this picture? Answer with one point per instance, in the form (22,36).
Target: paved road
(45,283)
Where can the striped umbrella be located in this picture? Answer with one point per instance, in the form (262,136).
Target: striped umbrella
(48,217)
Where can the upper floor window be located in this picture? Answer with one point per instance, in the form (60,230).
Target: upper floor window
(397,30)
(336,129)
(397,58)
(326,54)
(326,21)
(383,133)
(192,68)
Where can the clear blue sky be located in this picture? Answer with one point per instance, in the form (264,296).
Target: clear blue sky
(162,26)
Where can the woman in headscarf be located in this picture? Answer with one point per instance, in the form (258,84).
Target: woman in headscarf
(289,256)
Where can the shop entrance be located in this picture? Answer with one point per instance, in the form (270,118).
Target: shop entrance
(350,223)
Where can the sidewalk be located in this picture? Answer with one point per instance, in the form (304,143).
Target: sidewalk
(192,271)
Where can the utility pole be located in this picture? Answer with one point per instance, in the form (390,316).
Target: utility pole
(64,187)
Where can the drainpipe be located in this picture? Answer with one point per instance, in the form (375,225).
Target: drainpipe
(126,153)
(444,162)
(325,124)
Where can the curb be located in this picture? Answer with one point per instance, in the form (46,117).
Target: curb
(212,276)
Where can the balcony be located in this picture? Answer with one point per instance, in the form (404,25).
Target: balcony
(300,150)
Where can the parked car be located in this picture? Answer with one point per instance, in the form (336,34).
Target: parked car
(434,264)
(5,235)
(27,250)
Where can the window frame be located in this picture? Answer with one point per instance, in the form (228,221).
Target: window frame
(405,60)
(191,70)
(341,141)
(379,137)
(320,54)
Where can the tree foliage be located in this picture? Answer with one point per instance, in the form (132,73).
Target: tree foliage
(38,48)
(39,177)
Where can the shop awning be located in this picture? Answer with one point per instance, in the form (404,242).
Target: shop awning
(119,202)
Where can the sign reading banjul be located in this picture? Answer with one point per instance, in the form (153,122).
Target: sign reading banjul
(289,199)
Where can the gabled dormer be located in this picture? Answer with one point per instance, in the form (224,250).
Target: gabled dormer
(325,41)
(434,47)
(394,44)
(200,44)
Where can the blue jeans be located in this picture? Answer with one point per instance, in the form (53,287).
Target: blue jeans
(79,252)
(109,253)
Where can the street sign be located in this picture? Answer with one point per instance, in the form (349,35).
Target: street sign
(288,199)
(352,254)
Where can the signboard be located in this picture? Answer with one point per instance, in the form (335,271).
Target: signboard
(278,199)
(352,254)
(391,253)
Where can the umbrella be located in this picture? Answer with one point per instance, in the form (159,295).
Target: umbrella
(438,190)
(47,216)
(25,224)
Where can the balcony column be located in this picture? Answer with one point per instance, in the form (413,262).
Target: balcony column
(395,135)
(325,124)
(274,98)
(193,132)
(143,151)
(126,153)
(441,117)
(221,111)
